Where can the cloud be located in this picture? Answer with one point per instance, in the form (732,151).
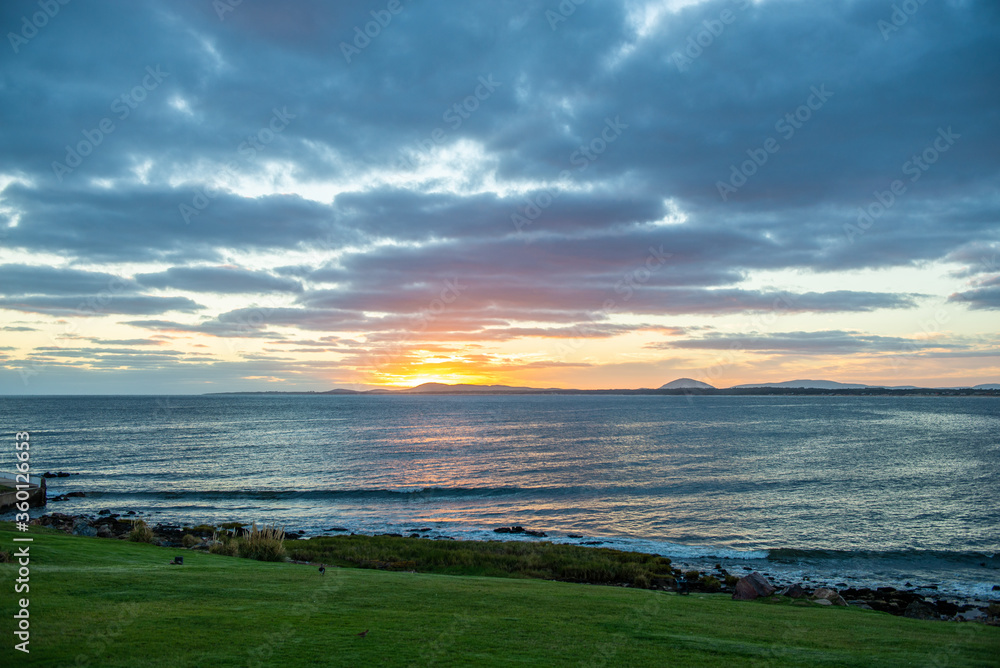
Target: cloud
(20,279)
(830,342)
(218,279)
(99,306)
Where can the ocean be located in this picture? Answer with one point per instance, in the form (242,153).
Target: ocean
(865,490)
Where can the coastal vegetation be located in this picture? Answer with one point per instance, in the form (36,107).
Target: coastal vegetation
(118,603)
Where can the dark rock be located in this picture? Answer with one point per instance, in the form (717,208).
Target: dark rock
(574,535)
(105,531)
(131,512)
(592,542)
(841,585)
(752,586)
(502,530)
(336,529)
(82,528)
(76,494)
(104,511)
(831,595)
(795,591)
(390,535)
(536,534)
(946,608)
(919,610)
(996,587)
(415,535)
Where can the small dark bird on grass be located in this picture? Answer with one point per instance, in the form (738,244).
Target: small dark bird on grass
(363,633)
(322,569)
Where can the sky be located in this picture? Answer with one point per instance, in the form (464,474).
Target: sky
(201,196)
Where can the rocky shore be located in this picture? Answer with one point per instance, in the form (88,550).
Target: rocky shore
(906,603)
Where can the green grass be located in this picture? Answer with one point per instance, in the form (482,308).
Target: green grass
(102,602)
(527,559)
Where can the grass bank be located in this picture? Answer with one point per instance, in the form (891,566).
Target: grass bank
(101,602)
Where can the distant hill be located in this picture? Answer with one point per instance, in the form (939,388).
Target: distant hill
(686,384)
(987,386)
(807,384)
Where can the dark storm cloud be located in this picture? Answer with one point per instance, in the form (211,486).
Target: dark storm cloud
(221,81)
(144,224)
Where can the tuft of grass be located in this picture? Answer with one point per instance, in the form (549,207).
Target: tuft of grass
(141,532)
(223,544)
(264,544)
(190,541)
(5,557)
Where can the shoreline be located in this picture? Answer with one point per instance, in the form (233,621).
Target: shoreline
(916,601)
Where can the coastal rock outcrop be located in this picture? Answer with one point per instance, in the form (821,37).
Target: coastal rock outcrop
(752,586)
(827,594)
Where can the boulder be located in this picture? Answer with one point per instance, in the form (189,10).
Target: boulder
(795,591)
(825,593)
(974,615)
(823,601)
(919,610)
(81,528)
(752,586)
(104,531)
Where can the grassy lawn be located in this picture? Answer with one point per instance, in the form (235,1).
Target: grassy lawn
(102,602)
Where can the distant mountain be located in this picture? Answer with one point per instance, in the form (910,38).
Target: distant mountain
(987,386)
(807,384)
(686,384)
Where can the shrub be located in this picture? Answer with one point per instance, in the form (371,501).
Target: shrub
(708,583)
(692,576)
(223,545)
(264,544)
(204,529)
(190,541)
(140,533)
(731,580)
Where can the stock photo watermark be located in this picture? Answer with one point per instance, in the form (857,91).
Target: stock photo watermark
(786,126)
(447,296)
(122,106)
(915,168)
(626,287)
(899,17)
(581,158)
(247,151)
(363,36)
(562,12)
(30,26)
(454,115)
(705,36)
